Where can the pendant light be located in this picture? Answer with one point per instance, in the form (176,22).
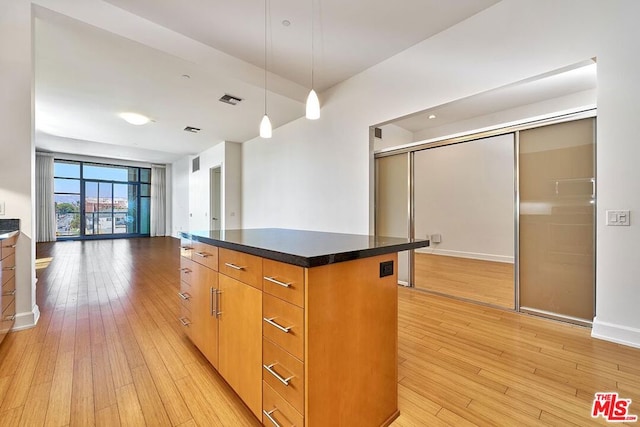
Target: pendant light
(313,103)
(265,124)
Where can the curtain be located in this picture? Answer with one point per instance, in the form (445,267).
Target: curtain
(158,201)
(45,207)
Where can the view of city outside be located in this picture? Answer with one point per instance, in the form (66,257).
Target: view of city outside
(109,207)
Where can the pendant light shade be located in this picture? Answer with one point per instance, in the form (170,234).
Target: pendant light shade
(265,127)
(313,106)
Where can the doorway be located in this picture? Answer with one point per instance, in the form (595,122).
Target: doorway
(215,197)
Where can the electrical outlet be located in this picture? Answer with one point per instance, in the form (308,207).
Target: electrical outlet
(2,212)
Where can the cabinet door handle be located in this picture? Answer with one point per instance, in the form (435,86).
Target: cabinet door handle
(185,296)
(9,268)
(272,323)
(203,254)
(268,415)
(277,282)
(269,369)
(235,267)
(213,296)
(9,294)
(184,321)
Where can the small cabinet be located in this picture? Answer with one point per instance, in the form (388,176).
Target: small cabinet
(7,285)
(204,310)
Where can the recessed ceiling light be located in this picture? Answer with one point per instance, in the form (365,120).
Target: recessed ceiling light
(135,118)
(432,116)
(286,22)
(186,76)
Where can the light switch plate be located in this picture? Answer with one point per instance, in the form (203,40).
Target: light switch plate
(1,208)
(617,218)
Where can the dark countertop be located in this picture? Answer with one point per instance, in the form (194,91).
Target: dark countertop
(9,228)
(304,248)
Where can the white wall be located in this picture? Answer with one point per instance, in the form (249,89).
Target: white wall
(465,193)
(17,152)
(316,175)
(392,136)
(228,156)
(181,170)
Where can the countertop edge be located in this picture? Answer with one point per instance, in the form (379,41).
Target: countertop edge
(9,235)
(304,261)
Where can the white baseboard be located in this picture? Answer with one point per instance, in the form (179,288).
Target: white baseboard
(616,333)
(403,283)
(27,319)
(470,255)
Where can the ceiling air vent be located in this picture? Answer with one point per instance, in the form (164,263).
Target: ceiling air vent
(192,129)
(195,164)
(230,99)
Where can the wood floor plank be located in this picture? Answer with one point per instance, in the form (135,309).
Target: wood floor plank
(112,353)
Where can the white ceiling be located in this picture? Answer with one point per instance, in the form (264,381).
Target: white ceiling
(577,78)
(97,58)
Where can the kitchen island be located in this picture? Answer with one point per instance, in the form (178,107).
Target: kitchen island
(301,324)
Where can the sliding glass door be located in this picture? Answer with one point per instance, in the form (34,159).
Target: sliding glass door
(98,201)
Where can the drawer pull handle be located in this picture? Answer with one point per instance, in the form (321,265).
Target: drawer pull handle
(10,318)
(186,248)
(184,295)
(186,270)
(184,321)
(235,267)
(277,282)
(9,268)
(12,246)
(272,323)
(203,254)
(269,369)
(9,294)
(268,415)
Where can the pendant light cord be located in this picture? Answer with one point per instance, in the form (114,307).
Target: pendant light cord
(265,55)
(312,42)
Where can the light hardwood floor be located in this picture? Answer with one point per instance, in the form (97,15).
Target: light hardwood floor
(108,350)
(472,279)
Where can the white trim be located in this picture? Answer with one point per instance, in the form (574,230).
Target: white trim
(616,333)
(470,255)
(27,320)
(403,283)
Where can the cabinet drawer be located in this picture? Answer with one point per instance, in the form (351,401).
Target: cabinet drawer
(8,318)
(8,293)
(284,373)
(276,407)
(185,320)
(186,248)
(240,266)
(185,295)
(7,268)
(186,270)
(8,246)
(206,255)
(284,281)
(283,324)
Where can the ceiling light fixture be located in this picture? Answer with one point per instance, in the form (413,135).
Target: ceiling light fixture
(313,103)
(432,116)
(265,124)
(134,118)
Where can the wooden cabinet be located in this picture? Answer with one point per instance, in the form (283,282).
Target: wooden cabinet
(7,285)
(240,331)
(300,346)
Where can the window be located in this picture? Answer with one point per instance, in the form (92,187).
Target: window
(98,200)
